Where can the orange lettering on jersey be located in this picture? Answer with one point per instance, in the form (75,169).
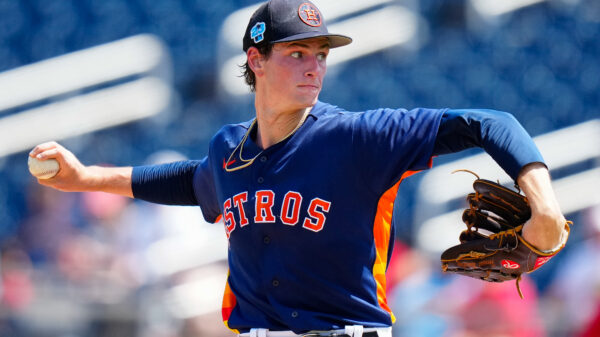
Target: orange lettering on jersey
(315,211)
(228,217)
(263,208)
(291,198)
(238,202)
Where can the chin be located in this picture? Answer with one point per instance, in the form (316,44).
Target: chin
(309,101)
(309,104)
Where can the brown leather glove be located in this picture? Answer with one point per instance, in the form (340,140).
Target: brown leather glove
(492,247)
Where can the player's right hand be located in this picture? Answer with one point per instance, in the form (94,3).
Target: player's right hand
(73,176)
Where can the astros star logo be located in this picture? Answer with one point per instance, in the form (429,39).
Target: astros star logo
(310,15)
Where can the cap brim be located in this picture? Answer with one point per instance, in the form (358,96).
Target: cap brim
(335,40)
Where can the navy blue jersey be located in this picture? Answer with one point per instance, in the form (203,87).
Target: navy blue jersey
(309,222)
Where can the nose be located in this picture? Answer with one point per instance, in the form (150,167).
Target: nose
(314,67)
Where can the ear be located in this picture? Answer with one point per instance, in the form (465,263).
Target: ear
(255,61)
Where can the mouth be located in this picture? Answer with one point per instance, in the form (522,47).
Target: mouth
(310,86)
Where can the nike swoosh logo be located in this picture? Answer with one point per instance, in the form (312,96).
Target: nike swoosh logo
(227,164)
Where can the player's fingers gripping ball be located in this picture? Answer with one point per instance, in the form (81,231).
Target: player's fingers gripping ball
(43,169)
(492,247)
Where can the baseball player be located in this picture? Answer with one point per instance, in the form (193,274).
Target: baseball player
(305,189)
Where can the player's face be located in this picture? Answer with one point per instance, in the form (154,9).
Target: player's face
(294,72)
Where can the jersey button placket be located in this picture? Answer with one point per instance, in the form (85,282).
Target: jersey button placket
(260,180)
(275,282)
(263,159)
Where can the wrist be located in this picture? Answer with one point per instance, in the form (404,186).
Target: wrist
(89,179)
(545,232)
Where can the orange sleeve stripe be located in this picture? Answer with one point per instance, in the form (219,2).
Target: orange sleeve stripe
(381,234)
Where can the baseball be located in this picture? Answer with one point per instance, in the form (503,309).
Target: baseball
(43,169)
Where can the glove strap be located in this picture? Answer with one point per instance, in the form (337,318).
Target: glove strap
(519,287)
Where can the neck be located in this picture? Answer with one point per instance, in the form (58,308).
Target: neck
(276,125)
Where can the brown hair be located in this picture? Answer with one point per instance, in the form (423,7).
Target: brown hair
(248,74)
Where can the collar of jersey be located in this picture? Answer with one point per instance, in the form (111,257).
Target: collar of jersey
(252,149)
(313,112)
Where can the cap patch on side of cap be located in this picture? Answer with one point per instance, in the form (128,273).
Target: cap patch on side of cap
(310,14)
(257,33)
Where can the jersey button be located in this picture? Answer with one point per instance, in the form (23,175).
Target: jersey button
(266,240)
(263,159)
(260,180)
(294,314)
(275,283)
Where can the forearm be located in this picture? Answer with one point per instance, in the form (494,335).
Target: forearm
(116,180)
(534,180)
(545,229)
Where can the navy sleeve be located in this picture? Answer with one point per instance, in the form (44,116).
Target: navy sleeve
(206,192)
(168,184)
(497,132)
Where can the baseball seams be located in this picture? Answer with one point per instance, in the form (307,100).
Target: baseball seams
(43,169)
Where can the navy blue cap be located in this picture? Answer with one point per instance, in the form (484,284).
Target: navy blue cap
(288,20)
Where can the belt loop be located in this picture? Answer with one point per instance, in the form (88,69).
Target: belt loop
(353,330)
(258,332)
(385,332)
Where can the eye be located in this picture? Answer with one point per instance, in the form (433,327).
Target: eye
(296,54)
(321,56)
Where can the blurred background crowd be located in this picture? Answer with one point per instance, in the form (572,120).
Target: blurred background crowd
(93,264)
